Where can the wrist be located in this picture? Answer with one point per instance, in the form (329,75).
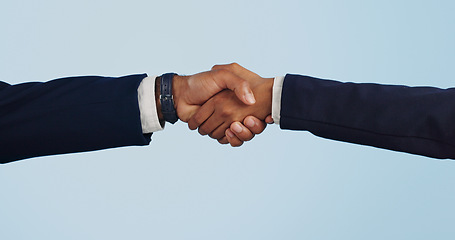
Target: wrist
(179,86)
(263,92)
(269,87)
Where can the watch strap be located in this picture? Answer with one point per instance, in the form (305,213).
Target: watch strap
(166,98)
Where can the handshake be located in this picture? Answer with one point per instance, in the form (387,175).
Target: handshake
(229,103)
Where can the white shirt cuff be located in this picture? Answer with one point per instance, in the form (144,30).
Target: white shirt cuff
(276,98)
(147,106)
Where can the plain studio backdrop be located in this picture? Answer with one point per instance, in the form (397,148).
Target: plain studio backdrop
(283,184)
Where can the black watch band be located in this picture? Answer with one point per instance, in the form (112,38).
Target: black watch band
(166,98)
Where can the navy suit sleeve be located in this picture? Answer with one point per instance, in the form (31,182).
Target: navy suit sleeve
(417,120)
(69,115)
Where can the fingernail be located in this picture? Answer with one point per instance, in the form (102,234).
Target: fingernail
(249,123)
(229,133)
(237,128)
(249,97)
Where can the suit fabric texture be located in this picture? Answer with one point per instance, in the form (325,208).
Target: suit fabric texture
(69,115)
(417,120)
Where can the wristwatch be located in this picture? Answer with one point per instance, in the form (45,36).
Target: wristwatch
(166,98)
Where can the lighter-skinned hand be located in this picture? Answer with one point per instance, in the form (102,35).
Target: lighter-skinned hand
(190,92)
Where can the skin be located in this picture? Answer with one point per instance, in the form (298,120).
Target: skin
(243,132)
(191,92)
(238,132)
(219,113)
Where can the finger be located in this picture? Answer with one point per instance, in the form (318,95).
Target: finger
(209,127)
(254,124)
(269,119)
(241,132)
(219,132)
(223,140)
(201,115)
(211,124)
(233,140)
(227,79)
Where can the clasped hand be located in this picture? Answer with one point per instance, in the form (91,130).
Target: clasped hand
(229,103)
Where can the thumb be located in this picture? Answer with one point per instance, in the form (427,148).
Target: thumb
(241,88)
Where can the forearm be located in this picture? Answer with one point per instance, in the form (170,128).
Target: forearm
(69,115)
(416,120)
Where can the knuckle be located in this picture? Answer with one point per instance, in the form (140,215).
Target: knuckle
(226,112)
(234,65)
(219,101)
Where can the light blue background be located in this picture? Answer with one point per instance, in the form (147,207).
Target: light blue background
(282,185)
